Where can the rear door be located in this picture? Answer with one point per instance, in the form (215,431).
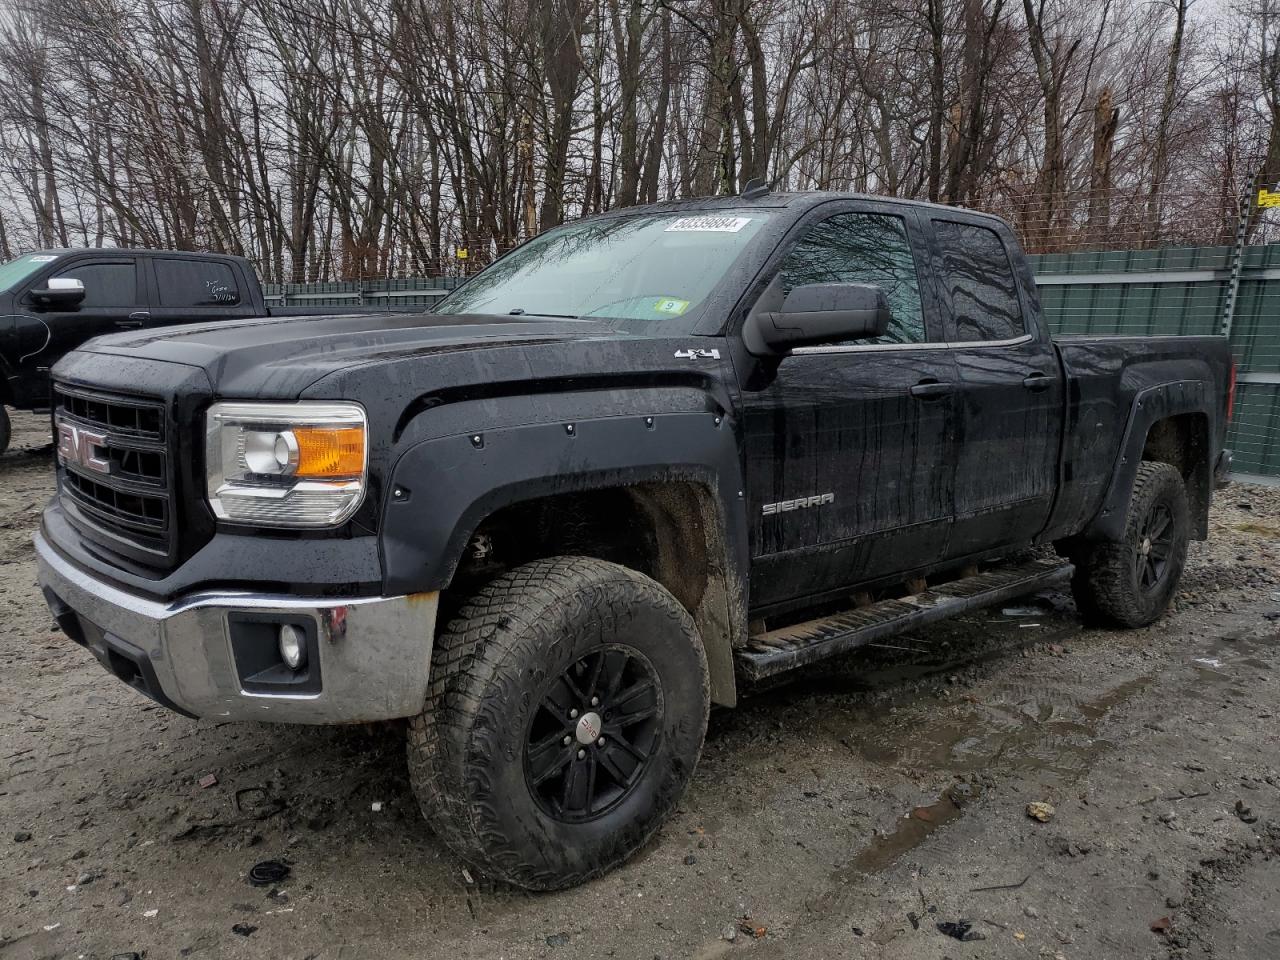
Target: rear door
(194,290)
(1011,408)
(849,446)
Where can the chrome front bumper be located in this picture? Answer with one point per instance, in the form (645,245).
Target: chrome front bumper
(373,655)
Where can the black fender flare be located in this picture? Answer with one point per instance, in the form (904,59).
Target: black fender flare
(441,488)
(1149,406)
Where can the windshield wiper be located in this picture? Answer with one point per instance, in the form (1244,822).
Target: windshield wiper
(521,312)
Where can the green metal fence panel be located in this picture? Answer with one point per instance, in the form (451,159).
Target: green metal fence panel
(1254,438)
(396,294)
(1255,333)
(1180,291)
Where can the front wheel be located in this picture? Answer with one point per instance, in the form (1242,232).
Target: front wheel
(1129,582)
(566,713)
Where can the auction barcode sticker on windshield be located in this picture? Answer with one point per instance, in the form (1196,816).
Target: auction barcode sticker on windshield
(708,224)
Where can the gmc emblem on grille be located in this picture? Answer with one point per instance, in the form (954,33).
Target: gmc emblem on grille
(78,447)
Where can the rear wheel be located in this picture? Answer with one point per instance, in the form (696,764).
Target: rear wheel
(5,429)
(567,709)
(1129,582)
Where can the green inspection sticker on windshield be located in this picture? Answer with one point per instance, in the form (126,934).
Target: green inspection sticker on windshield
(671,306)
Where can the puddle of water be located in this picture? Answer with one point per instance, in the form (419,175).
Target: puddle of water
(911,831)
(1243,643)
(1029,728)
(1033,727)
(1226,661)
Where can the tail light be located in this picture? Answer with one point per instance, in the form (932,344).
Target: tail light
(1231,391)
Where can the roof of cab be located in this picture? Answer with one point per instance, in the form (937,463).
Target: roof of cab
(133,252)
(802,199)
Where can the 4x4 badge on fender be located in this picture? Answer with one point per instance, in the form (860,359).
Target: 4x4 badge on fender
(698,354)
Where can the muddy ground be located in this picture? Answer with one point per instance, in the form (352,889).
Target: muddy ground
(843,815)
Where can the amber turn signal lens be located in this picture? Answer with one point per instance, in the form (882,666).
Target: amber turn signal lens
(326,453)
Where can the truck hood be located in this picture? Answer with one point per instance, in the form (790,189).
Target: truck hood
(279,358)
(398,366)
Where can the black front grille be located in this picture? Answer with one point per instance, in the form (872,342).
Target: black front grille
(137,511)
(115,472)
(125,417)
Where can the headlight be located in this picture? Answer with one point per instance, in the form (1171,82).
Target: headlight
(286,464)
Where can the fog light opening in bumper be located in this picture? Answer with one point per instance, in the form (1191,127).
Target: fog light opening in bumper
(293,647)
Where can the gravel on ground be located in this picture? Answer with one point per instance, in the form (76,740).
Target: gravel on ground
(876,808)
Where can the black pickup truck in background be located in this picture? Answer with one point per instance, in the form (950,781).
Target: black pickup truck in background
(638,464)
(54,300)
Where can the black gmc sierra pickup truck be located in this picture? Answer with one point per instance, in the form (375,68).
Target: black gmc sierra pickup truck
(641,462)
(54,300)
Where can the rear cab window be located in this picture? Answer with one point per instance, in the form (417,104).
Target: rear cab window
(979,279)
(195,283)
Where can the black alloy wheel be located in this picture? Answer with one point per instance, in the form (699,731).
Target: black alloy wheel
(1129,581)
(591,738)
(1154,546)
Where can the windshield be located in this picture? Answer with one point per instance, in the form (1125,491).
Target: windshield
(15,271)
(650,273)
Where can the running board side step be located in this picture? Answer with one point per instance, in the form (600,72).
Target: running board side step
(767,654)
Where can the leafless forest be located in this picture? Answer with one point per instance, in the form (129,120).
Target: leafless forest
(361,138)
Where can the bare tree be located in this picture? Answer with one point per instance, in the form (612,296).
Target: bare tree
(364,138)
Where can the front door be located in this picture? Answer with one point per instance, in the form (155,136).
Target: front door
(849,446)
(113,299)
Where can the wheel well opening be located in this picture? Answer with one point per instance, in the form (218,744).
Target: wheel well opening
(1183,442)
(654,528)
(670,531)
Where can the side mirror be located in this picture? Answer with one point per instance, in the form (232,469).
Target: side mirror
(817,313)
(60,292)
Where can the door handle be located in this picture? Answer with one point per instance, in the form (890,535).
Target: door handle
(136,319)
(929,390)
(1037,382)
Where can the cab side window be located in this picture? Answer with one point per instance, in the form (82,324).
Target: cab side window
(196,283)
(979,277)
(105,284)
(862,248)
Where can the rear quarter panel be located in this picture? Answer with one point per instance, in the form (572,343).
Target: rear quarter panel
(1116,387)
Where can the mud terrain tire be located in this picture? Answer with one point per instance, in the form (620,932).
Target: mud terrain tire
(505,760)
(1129,582)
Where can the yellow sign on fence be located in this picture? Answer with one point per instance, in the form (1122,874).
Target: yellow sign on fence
(1269,198)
